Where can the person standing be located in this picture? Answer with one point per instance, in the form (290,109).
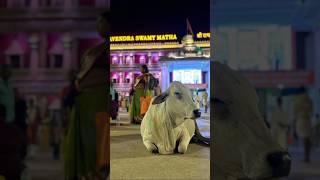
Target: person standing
(317,131)
(87,147)
(205,101)
(280,124)
(197,100)
(112,92)
(6,92)
(303,110)
(33,122)
(142,88)
(11,143)
(21,117)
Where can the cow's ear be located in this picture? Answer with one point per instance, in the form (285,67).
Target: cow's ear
(160,99)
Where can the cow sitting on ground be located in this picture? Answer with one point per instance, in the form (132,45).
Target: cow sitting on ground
(169,123)
(243,147)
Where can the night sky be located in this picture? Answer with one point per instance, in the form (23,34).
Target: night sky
(161,16)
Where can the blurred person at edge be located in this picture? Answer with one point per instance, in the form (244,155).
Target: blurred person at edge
(112,92)
(68,95)
(6,92)
(82,158)
(11,143)
(317,131)
(33,123)
(303,109)
(280,124)
(21,117)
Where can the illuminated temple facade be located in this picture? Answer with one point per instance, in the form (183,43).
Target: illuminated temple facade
(44,40)
(127,57)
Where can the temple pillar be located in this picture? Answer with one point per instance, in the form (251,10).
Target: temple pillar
(67,5)
(34,5)
(34,59)
(67,53)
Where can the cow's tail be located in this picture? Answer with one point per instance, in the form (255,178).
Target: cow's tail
(199,138)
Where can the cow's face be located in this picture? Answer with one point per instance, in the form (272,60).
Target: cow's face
(242,145)
(178,103)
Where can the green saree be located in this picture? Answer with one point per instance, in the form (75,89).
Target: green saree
(80,157)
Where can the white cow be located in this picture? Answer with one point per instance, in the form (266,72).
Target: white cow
(243,147)
(170,121)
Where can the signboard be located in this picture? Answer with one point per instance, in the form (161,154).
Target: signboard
(276,79)
(196,86)
(187,76)
(154,37)
(144,38)
(202,35)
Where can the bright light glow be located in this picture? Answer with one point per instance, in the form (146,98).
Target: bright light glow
(142,58)
(187,76)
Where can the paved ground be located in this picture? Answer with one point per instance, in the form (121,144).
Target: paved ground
(43,167)
(301,170)
(130,160)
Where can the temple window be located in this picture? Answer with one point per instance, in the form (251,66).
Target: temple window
(58,61)
(15,55)
(15,61)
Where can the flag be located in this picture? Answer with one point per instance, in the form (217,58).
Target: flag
(189,28)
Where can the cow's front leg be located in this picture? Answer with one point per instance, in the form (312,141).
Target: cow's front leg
(151,147)
(184,141)
(187,131)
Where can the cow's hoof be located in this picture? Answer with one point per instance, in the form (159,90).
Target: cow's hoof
(182,150)
(152,148)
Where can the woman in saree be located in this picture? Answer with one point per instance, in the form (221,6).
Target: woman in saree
(87,143)
(141,88)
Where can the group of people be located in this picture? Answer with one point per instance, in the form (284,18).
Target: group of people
(23,126)
(302,126)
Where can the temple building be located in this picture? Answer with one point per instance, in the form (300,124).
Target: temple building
(129,52)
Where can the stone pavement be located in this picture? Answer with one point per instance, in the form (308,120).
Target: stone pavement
(301,170)
(130,160)
(43,167)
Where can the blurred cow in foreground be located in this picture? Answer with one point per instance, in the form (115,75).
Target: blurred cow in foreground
(243,147)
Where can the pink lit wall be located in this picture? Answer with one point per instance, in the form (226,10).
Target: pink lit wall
(7,40)
(52,38)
